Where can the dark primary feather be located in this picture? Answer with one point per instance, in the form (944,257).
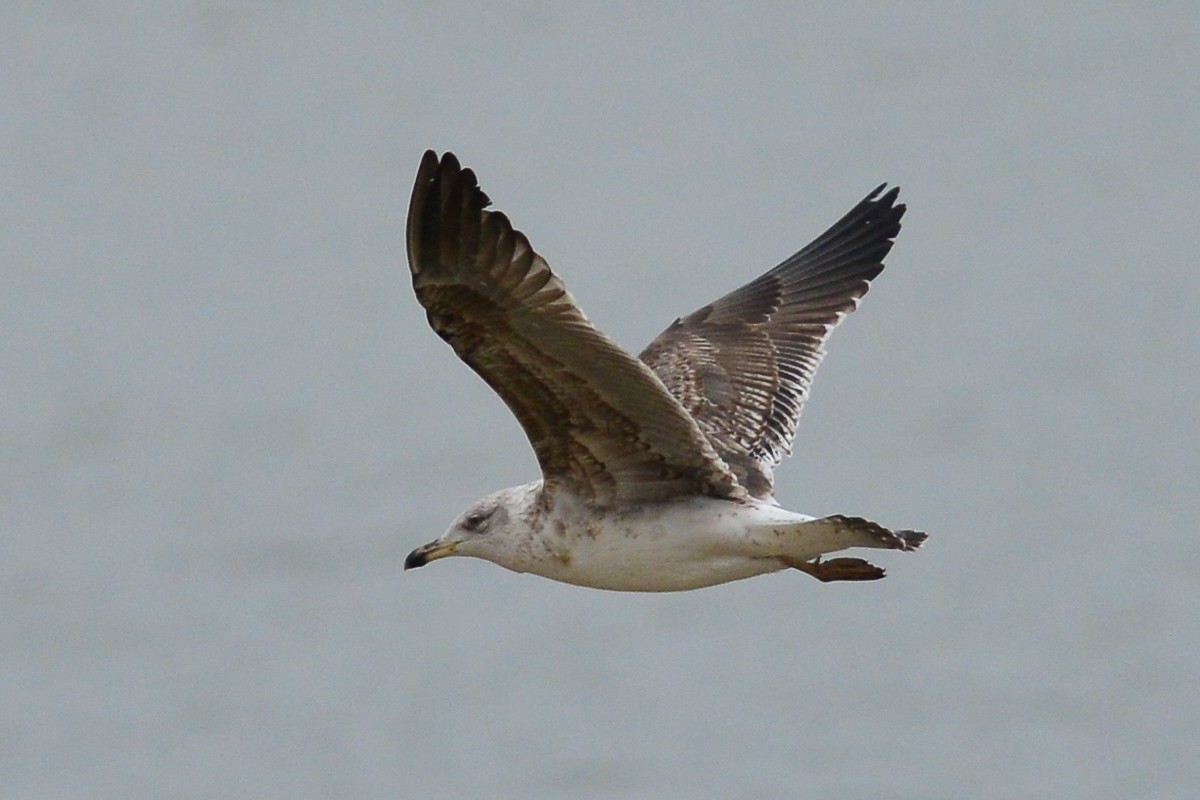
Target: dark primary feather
(742,366)
(598,419)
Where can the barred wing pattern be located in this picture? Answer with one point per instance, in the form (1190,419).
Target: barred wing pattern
(742,366)
(599,420)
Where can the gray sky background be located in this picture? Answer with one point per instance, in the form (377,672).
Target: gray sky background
(224,421)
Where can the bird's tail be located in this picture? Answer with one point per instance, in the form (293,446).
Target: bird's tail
(831,534)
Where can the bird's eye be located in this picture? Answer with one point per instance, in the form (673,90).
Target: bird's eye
(474,521)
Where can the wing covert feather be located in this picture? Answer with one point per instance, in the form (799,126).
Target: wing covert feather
(743,365)
(599,420)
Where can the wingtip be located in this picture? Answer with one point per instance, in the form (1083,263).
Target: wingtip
(447,168)
(884,195)
(881,207)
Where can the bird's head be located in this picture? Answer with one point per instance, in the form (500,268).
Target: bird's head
(479,532)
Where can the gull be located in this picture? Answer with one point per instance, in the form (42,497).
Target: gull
(657,471)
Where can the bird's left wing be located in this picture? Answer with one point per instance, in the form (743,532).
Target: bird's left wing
(742,366)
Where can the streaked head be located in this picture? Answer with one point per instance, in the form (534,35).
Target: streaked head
(479,532)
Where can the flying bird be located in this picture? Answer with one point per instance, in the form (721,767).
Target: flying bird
(657,471)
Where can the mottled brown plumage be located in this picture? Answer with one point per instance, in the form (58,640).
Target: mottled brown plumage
(597,418)
(736,372)
(656,473)
(742,365)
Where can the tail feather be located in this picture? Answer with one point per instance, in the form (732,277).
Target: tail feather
(839,532)
(866,533)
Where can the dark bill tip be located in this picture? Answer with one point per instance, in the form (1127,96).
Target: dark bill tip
(416,558)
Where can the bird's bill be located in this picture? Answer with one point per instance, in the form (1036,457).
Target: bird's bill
(429,552)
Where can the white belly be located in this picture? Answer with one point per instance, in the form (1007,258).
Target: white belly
(672,546)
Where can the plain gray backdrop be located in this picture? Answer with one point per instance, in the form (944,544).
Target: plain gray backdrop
(225,421)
